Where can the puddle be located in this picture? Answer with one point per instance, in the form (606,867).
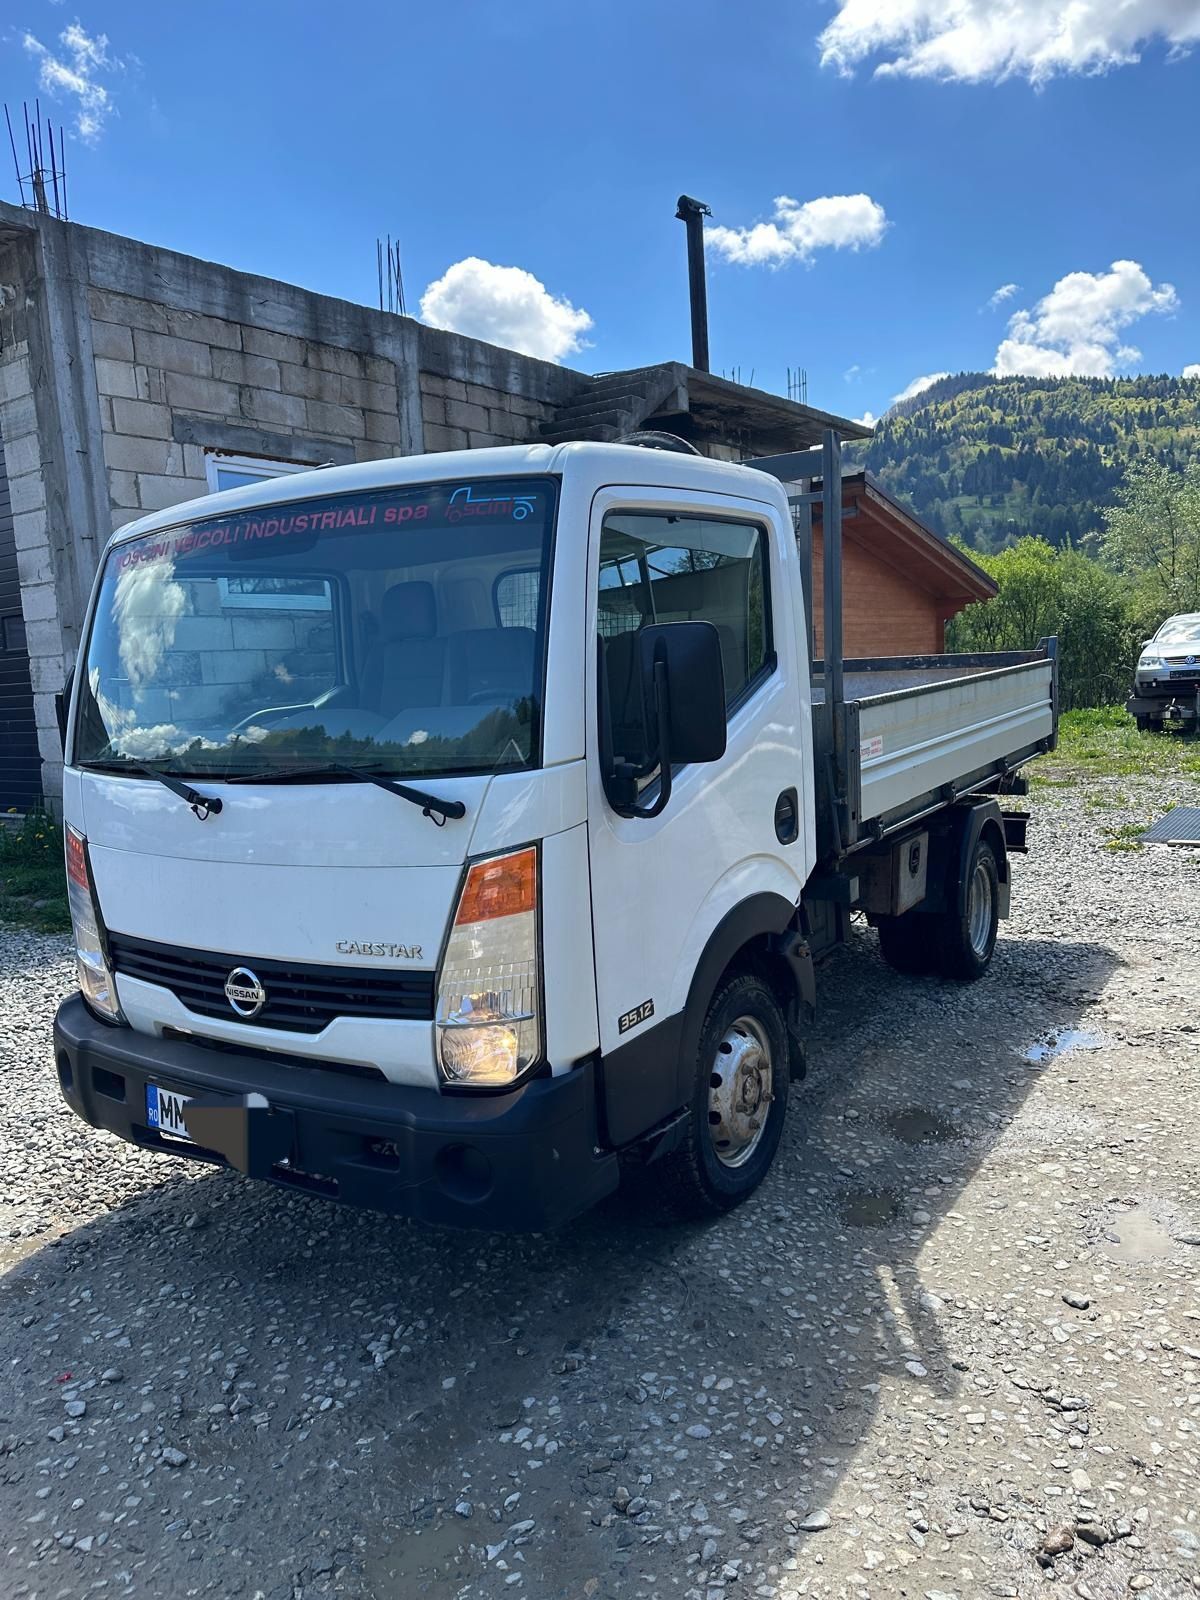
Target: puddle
(1136,1236)
(915,1125)
(868,1208)
(423,1561)
(1062,1043)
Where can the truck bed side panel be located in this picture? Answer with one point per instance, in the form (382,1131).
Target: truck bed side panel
(915,741)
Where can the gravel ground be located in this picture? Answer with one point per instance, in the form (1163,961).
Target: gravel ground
(951,1348)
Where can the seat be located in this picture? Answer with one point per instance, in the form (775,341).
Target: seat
(405,666)
(489,664)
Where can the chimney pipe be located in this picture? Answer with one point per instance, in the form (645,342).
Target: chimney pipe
(692,214)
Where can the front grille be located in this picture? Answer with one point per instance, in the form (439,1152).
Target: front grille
(301,998)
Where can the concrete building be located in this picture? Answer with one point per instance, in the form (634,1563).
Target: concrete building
(133,378)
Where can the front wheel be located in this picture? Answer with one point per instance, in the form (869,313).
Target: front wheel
(739,1101)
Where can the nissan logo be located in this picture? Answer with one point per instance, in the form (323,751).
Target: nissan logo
(244,992)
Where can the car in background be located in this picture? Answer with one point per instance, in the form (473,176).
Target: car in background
(1166,682)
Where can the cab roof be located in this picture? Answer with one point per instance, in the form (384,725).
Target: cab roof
(607,463)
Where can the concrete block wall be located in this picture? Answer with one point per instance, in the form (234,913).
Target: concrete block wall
(475,394)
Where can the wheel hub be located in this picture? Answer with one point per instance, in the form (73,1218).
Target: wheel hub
(979,910)
(740,1094)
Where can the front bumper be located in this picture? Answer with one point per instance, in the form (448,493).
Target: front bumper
(1151,698)
(518,1162)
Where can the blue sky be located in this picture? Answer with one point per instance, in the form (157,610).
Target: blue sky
(948,160)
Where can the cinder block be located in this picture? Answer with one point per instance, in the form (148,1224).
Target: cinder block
(333,359)
(46,676)
(146,418)
(153,384)
(38,602)
(481,395)
(461,414)
(15,382)
(156,490)
(278,346)
(123,489)
(44,638)
(437,438)
(448,388)
(121,515)
(108,306)
(23,454)
(372,450)
(201,394)
(27,493)
(172,353)
(265,405)
(311,382)
(30,530)
(384,426)
(33,566)
(204,633)
(130,454)
(480,441)
(120,377)
(194,462)
(361,392)
(433,409)
(344,420)
(378,369)
(207,330)
(111,340)
(261,371)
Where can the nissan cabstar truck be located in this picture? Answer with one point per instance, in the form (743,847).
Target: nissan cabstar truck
(447,834)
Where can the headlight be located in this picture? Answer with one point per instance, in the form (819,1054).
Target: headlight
(488,1023)
(1149,661)
(91,963)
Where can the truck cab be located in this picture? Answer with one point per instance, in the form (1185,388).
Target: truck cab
(439,831)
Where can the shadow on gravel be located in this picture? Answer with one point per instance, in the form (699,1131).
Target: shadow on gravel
(340,1382)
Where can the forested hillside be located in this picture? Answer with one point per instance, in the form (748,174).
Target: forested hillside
(990,459)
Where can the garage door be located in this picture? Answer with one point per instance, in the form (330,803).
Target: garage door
(20,764)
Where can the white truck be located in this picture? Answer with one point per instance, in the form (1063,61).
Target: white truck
(445,833)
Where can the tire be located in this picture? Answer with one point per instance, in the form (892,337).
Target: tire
(907,943)
(744,1054)
(1144,724)
(964,944)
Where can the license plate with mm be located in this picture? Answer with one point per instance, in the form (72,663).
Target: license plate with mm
(164,1111)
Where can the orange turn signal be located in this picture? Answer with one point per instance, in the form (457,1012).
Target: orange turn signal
(499,888)
(77,870)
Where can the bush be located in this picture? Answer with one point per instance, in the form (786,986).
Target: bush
(33,887)
(1044,591)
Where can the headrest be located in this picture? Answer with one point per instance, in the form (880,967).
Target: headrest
(409,611)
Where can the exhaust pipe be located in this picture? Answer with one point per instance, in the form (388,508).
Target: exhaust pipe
(692,214)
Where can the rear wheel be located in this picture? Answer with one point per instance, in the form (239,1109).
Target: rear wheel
(739,1100)
(965,941)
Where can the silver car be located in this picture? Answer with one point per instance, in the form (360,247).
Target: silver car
(1166,683)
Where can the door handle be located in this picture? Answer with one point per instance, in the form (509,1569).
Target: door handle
(787,817)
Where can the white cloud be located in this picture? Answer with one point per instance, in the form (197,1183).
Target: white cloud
(1192,370)
(973,41)
(506,306)
(918,386)
(1075,330)
(868,419)
(76,71)
(852,374)
(1003,293)
(797,231)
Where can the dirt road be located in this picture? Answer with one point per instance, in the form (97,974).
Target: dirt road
(957,1330)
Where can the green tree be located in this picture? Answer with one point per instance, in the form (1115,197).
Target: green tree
(1152,536)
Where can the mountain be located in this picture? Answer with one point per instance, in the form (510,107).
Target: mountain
(989,459)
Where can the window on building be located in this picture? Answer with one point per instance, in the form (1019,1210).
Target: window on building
(234,472)
(12,633)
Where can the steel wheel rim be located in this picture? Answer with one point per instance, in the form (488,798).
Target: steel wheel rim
(740,1092)
(979,909)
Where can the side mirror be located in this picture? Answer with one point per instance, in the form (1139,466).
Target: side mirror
(691,713)
(675,713)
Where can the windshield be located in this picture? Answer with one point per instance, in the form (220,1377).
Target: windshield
(400,631)
(1179,630)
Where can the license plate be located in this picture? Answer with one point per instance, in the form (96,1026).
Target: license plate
(164,1111)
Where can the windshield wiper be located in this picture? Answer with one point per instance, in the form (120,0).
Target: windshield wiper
(203,805)
(437,810)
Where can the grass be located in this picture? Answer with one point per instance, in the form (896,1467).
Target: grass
(33,886)
(1126,837)
(1105,744)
